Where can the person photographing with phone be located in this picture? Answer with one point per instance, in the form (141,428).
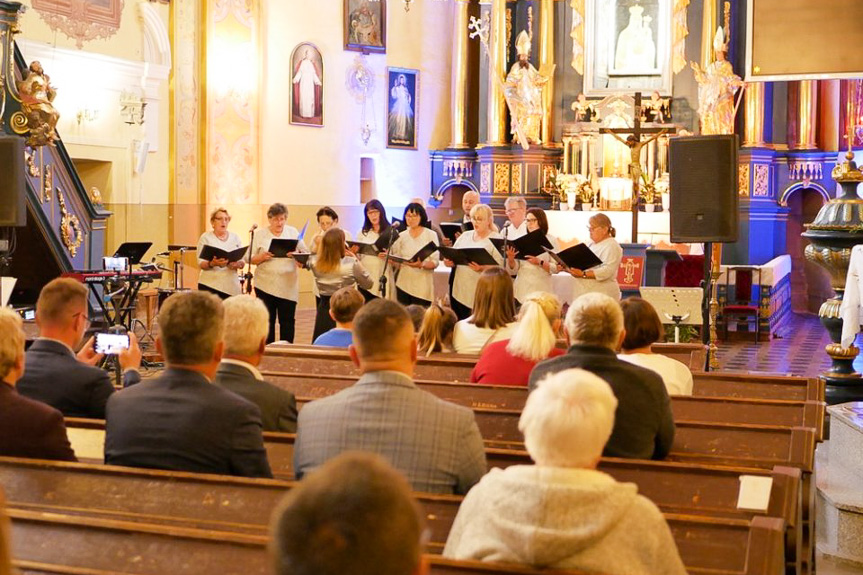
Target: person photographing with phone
(54,373)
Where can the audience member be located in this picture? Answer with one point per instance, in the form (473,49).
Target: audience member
(344,305)
(354,516)
(493,317)
(179,420)
(644,328)
(28,428)
(53,374)
(436,444)
(417,313)
(435,334)
(644,427)
(510,361)
(246,329)
(334,267)
(562,513)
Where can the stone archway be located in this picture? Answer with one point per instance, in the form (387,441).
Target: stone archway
(810,284)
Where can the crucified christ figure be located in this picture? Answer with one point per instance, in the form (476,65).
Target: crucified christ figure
(635,145)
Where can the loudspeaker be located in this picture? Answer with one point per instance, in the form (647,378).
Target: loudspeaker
(12,189)
(703,189)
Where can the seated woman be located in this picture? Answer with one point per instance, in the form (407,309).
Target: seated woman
(334,267)
(493,317)
(435,333)
(562,513)
(644,328)
(509,362)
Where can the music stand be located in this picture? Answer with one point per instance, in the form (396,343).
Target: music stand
(133,250)
(679,305)
(178,263)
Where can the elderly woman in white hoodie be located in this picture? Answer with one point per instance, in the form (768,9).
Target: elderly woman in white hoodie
(562,513)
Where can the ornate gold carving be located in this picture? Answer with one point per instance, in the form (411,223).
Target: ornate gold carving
(508,24)
(548,173)
(70,227)
(485,179)
(743,180)
(47,183)
(516,179)
(81,21)
(577,35)
(96,196)
(37,95)
(761,185)
(18,123)
(501,178)
(32,169)
(680,31)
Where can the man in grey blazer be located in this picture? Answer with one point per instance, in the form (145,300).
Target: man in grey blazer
(246,329)
(53,373)
(180,420)
(436,444)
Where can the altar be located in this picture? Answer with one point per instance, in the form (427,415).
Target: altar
(571,226)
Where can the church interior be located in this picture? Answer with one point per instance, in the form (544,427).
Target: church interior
(722,151)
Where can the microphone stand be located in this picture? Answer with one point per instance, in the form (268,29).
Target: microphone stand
(248,275)
(382,282)
(505,242)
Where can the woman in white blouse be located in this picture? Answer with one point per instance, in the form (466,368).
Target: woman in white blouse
(602,278)
(644,328)
(276,279)
(466,277)
(218,275)
(415,281)
(493,317)
(374,225)
(534,273)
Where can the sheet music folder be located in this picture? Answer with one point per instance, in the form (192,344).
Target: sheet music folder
(211,252)
(579,257)
(421,254)
(531,244)
(133,250)
(365,249)
(451,229)
(464,256)
(280,247)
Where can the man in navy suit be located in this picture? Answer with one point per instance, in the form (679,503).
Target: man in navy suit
(436,444)
(180,420)
(53,373)
(27,428)
(246,329)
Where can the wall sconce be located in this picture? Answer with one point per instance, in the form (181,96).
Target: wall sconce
(86,115)
(132,108)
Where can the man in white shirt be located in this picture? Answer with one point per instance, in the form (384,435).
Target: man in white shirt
(515,208)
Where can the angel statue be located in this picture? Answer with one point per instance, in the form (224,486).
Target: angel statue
(717,85)
(524,91)
(37,93)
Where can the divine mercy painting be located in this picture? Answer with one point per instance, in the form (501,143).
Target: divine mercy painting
(307,86)
(365,25)
(402,88)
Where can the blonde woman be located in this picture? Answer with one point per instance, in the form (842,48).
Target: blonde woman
(602,278)
(493,317)
(218,275)
(435,334)
(466,277)
(510,361)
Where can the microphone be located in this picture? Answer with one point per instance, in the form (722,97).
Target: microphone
(253,228)
(506,228)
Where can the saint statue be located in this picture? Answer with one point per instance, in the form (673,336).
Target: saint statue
(585,110)
(635,49)
(717,85)
(524,93)
(307,87)
(37,95)
(401,119)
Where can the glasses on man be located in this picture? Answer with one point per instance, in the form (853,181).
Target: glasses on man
(512,210)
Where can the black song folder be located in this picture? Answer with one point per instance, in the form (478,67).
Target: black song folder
(209,253)
(421,255)
(532,244)
(578,257)
(280,248)
(464,256)
(365,249)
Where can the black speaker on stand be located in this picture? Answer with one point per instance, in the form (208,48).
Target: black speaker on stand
(12,197)
(703,201)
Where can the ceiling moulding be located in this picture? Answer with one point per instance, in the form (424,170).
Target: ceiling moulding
(81,20)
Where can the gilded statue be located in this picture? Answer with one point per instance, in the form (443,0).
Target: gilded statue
(585,110)
(37,95)
(523,89)
(717,85)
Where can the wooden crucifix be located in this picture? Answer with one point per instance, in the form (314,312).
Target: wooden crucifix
(635,144)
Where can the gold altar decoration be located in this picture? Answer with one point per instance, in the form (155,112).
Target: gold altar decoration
(577,35)
(546,61)
(485,178)
(524,92)
(680,30)
(47,183)
(37,95)
(30,161)
(761,183)
(501,178)
(717,86)
(743,180)
(516,179)
(70,228)
(753,103)
(458,130)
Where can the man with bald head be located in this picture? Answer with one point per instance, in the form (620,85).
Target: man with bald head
(436,444)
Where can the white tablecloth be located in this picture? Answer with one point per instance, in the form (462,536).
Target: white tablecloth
(850,310)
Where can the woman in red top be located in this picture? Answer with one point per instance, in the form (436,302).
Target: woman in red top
(510,361)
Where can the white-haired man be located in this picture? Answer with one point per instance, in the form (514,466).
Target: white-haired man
(587,520)
(515,208)
(644,427)
(246,329)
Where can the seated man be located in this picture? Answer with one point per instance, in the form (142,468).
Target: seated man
(562,513)
(436,444)
(354,516)
(344,305)
(53,373)
(644,427)
(28,428)
(179,420)
(246,328)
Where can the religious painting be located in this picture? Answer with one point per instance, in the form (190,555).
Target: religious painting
(81,20)
(402,89)
(365,25)
(307,86)
(628,46)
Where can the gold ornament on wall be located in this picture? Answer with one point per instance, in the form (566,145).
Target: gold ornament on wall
(30,160)
(70,227)
(501,178)
(743,180)
(37,95)
(516,178)
(47,183)
(761,185)
(577,35)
